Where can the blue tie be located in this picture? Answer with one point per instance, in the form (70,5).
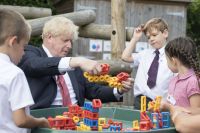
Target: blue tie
(153,71)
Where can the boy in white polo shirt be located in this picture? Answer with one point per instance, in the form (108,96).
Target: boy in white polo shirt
(15,95)
(153,74)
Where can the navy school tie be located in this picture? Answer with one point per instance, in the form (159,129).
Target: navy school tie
(153,71)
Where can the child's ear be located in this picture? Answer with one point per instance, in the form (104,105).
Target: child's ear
(166,33)
(174,60)
(12,41)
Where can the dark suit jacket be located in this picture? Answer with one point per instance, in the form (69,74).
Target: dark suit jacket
(40,72)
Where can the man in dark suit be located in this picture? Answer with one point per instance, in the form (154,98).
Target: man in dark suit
(43,65)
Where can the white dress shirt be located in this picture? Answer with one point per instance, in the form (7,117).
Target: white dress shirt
(14,95)
(143,60)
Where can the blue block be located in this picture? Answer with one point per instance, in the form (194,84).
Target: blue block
(88,106)
(115,128)
(91,123)
(166,119)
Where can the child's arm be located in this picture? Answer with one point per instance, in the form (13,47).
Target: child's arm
(195,100)
(23,120)
(184,122)
(127,53)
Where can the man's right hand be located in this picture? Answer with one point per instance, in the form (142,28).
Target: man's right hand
(90,66)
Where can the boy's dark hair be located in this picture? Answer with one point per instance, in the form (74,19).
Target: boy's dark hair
(155,23)
(184,49)
(13,24)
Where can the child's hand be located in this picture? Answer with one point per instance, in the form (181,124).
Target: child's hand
(137,33)
(44,123)
(164,106)
(176,110)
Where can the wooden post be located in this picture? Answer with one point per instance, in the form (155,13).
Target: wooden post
(118,8)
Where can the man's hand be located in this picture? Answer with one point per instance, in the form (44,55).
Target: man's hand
(127,85)
(87,65)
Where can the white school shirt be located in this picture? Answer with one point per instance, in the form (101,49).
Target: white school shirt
(14,94)
(63,67)
(143,60)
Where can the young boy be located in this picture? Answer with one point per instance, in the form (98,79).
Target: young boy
(153,74)
(15,95)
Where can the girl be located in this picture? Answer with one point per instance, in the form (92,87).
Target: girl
(182,58)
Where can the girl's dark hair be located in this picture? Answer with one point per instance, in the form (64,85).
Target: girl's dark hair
(184,49)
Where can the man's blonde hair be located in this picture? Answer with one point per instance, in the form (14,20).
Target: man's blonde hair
(60,26)
(13,23)
(155,23)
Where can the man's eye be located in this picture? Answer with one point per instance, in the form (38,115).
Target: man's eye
(66,40)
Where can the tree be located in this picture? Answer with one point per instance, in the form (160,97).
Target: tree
(193,21)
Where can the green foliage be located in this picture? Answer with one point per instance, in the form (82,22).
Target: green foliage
(35,3)
(32,3)
(36,41)
(193,21)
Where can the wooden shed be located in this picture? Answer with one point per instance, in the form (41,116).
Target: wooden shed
(137,12)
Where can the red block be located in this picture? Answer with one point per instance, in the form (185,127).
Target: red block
(105,68)
(96,103)
(145,125)
(122,76)
(74,109)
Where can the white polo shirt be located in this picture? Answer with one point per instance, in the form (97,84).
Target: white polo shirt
(143,60)
(14,94)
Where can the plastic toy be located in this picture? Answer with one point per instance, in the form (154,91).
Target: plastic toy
(104,77)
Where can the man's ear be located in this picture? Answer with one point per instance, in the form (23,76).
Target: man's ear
(49,38)
(12,41)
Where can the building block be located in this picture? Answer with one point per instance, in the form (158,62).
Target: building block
(114,128)
(136,125)
(145,125)
(122,76)
(105,68)
(166,119)
(117,123)
(155,120)
(101,121)
(96,103)
(88,106)
(91,115)
(91,123)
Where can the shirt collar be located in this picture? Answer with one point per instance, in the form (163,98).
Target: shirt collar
(47,51)
(161,50)
(189,73)
(5,57)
